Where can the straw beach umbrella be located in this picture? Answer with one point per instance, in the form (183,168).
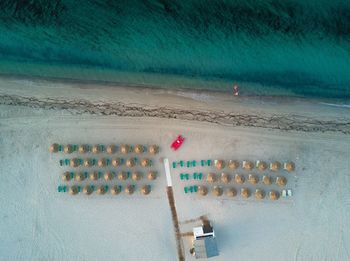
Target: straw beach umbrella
(93,175)
(101,190)
(153,149)
(96,149)
(130,162)
(54,148)
(102,163)
(259,194)
(74,162)
(83,148)
(152,175)
(261,165)
(122,175)
(231,192)
(266,180)
(225,177)
(145,189)
(79,176)
(139,149)
(87,163)
(202,190)
(66,176)
(125,148)
(73,190)
(136,176)
(129,189)
(289,166)
(111,149)
(145,162)
(116,162)
(275,166)
(248,165)
(115,190)
(253,179)
(211,177)
(108,176)
(217,191)
(245,193)
(68,149)
(239,179)
(281,181)
(274,195)
(219,164)
(233,164)
(87,190)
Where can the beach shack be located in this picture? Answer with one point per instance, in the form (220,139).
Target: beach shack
(204,242)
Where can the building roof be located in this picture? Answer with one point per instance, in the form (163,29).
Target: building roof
(205,247)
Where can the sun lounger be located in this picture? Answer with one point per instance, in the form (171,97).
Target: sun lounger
(289,193)
(195,175)
(209,162)
(60,148)
(188,164)
(284,193)
(191,189)
(93,162)
(187,176)
(182,176)
(195,188)
(194,163)
(61,162)
(200,176)
(66,162)
(181,163)
(185,189)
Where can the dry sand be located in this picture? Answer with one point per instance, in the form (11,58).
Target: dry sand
(38,223)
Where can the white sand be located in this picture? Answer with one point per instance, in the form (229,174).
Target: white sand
(38,223)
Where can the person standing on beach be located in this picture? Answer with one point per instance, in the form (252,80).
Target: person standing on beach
(235,90)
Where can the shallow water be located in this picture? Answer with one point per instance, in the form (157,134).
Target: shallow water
(292,48)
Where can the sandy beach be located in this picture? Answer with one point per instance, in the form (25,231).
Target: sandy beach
(38,223)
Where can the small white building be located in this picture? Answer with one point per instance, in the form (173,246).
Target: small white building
(204,243)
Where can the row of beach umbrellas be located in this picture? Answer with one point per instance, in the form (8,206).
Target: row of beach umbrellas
(103,189)
(244,192)
(107,176)
(103,162)
(99,148)
(249,165)
(241,179)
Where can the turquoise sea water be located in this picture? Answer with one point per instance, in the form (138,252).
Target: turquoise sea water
(293,48)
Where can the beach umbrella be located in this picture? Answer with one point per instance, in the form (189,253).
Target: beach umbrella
(111,149)
(73,190)
(266,180)
(202,190)
(248,165)
(116,162)
(146,189)
(108,175)
(130,162)
(217,191)
(79,176)
(259,194)
(253,179)
(139,149)
(96,149)
(152,175)
(233,164)
(211,177)
(101,190)
(54,148)
(274,195)
(136,176)
(83,148)
(125,149)
(225,178)
(145,162)
(102,162)
(275,166)
(93,175)
(231,192)
(281,181)
(261,165)
(129,189)
(115,190)
(289,166)
(68,148)
(74,162)
(239,179)
(219,164)
(153,149)
(66,176)
(88,190)
(87,162)
(122,175)
(245,193)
